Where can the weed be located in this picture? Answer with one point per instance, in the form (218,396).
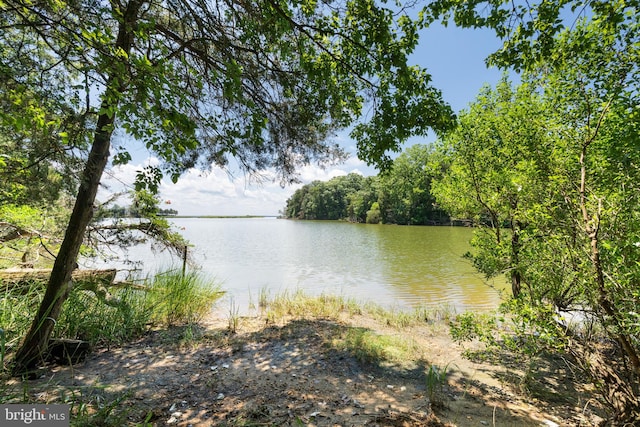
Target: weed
(96,408)
(263,298)
(436,379)
(234,317)
(189,336)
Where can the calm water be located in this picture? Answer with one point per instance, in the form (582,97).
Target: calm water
(396,266)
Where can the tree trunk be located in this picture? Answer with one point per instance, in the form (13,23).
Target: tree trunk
(616,391)
(31,352)
(592,228)
(34,346)
(516,276)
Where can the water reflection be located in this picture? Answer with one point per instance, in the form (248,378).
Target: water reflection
(390,265)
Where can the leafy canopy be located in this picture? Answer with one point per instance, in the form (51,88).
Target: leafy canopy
(532,30)
(267,82)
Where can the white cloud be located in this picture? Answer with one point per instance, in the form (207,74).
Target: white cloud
(215,192)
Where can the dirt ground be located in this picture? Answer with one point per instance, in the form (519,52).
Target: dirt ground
(292,374)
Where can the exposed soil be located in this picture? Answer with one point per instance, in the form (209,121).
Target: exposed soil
(293,374)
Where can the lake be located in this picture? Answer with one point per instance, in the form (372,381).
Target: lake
(395,266)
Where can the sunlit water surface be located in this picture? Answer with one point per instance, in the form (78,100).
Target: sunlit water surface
(395,266)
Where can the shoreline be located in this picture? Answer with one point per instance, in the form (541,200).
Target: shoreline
(312,361)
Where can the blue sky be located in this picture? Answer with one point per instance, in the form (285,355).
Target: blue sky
(455,59)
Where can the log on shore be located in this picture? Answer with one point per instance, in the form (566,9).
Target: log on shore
(41,275)
(96,281)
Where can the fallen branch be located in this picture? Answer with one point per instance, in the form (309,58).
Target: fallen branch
(96,281)
(10,232)
(19,276)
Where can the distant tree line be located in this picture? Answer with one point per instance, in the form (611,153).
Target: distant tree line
(400,196)
(117,211)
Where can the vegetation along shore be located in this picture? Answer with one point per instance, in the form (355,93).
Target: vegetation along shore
(294,360)
(543,165)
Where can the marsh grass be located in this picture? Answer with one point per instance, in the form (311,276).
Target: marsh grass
(176,298)
(86,318)
(263,298)
(299,304)
(16,313)
(402,318)
(234,317)
(167,299)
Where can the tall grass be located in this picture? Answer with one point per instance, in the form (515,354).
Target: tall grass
(87,318)
(167,299)
(436,380)
(16,313)
(176,298)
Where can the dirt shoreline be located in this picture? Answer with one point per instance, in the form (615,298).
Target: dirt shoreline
(295,373)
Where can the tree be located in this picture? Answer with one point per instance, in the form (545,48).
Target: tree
(575,242)
(402,194)
(599,93)
(38,130)
(360,201)
(500,159)
(405,190)
(373,214)
(265,82)
(530,30)
(324,200)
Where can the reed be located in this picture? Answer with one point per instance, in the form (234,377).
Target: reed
(177,298)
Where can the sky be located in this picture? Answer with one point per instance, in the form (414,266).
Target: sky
(455,59)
